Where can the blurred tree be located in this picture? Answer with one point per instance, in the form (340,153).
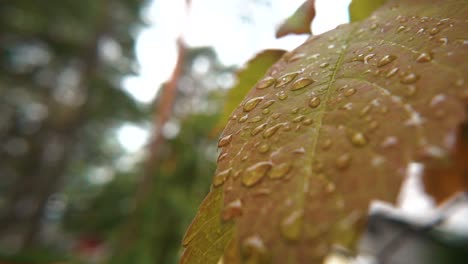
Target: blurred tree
(181,169)
(61,63)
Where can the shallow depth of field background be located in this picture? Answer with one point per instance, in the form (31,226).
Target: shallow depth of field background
(81,105)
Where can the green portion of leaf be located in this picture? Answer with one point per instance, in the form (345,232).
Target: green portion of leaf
(361,9)
(207,236)
(299,22)
(348,112)
(247,77)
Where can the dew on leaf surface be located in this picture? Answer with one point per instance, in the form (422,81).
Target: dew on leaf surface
(280,170)
(266,82)
(343,161)
(291,225)
(409,78)
(301,83)
(255,173)
(254,251)
(224,141)
(252,103)
(272,130)
(232,210)
(285,79)
(424,57)
(349,92)
(258,129)
(221,177)
(386,60)
(263,148)
(314,102)
(358,139)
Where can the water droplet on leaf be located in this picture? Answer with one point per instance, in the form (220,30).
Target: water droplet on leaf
(232,210)
(358,139)
(291,225)
(280,170)
(343,161)
(409,78)
(258,129)
(266,82)
(254,251)
(301,83)
(255,173)
(424,57)
(221,177)
(386,60)
(252,103)
(224,141)
(285,79)
(314,102)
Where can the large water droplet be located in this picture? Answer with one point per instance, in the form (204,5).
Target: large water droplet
(252,103)
(409,78)
(386,60)
(291,225)
(266,82)
(272,130)
(224,141)
(275,115)
(254,251)
(326,144)
(358,139)
(232,210)
(264,148)
(308,121)
(424,57)
(314,102)
(301,83)
(281,95)
(349,92)
(221,177)
(280,170)
(298,119)
(258,129)
(268,103)
(243,118)
(392,72)
(255,173)
(255,119)
(343,161)
(222,156)
(285,79)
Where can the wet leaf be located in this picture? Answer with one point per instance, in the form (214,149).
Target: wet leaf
(247,77)
(361,9)
(348,111)
(299,22)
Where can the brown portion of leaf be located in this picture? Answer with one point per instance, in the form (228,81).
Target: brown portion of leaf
(299,22)
(349,110)
(444,179)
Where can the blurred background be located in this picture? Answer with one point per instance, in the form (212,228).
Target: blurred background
(109,117)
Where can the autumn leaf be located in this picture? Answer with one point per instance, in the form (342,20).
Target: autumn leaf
(303,155)
(299,22)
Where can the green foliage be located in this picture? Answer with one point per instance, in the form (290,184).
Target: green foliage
(362,9)
(329,129)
